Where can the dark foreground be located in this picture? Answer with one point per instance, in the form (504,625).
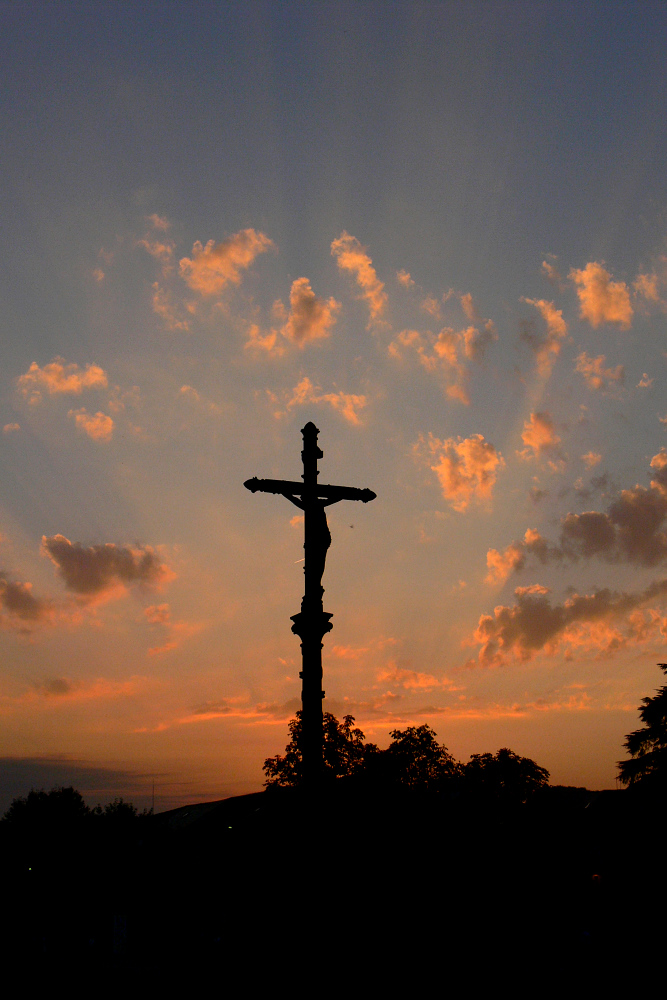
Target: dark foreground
(360,887)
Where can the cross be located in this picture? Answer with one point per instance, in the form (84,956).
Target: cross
(312,622)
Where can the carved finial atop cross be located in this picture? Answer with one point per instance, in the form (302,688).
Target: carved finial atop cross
(312,622)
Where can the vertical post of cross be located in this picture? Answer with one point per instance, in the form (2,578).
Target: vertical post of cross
(312,622)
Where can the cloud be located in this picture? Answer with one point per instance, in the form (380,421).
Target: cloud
(18,601)
(158,614)
(163,251)
(352,256)
(216,265)
(98,426)
(467,468)
(596,375)
(550,271)
(403,278)
(413,679)
(309,318)
(159,222)
(602,300)
(347,404)
(59,377)
(591,458)
(445,352)
(547,347)
(645,382)
(176,631)
(98,275)
(477,338)
(199,403)
(649,286)
(540,439)
(11,428)
(502,564)
(631,530)
(164,307)
(56,687)
(600,621)
(98,569)
(431,306)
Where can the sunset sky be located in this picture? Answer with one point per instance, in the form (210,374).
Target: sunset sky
(437,230)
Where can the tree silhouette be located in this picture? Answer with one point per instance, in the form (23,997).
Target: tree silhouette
(415,758)
(344,752)
(647,747)
(59,809)
(505,776)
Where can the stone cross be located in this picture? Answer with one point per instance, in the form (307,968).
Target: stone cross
(312,622)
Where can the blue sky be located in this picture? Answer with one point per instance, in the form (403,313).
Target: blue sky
(426,170)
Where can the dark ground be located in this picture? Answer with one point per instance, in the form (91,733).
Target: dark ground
(359,886)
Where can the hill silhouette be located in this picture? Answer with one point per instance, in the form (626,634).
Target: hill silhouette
(381,881)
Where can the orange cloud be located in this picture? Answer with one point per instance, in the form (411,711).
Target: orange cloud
(351,256)
(591,458)
(98,426)
(403,278)
(550,271)
(161,251)
(502,564)
(540,438)
(159,222)
(347,404)
(444,353)
(596,375)
(631,530)
(547,348)
(533,625)
(408,679)
(163,306)
(602,300)
(216,265)
(11,428)
(309,318)
(58,377)
(96,569)
(467,468)
(18,601)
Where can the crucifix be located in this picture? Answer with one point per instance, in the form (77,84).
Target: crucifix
(312,622)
